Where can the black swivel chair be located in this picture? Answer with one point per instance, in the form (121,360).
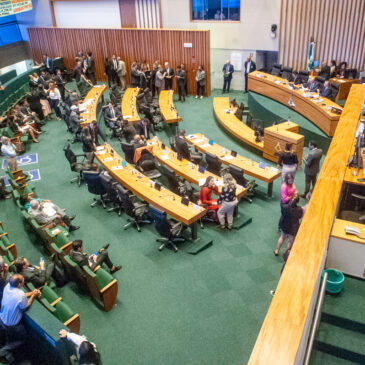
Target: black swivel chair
(250,185)
(172,179)
(128,150)
(95,186)
(136,210)
(334,91)
(146,164)
(213,165)
(168,229)
(173,144)
(320,81)
(304,76)
(111,193)
(76,166)
(286,73)
(276,70)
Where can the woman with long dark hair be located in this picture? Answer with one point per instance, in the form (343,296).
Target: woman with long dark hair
(206,200)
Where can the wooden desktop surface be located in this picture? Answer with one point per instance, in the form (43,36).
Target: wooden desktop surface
(143,187)
(228,120)
(185,168)
(344,86)
(338,230)
(129,105)
(282,330)
(267,174)
(91,101)
(167,108)
(314,107)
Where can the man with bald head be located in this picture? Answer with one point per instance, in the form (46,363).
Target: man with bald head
(169,75)
(227,70)
(250,66)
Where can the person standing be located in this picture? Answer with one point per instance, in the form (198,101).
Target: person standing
(169,74)
(61,84)
(135,76)
(108,70)
(48,63)
(288,161)
(181,81)
(228,201)
(14,303)
(250,66)
(200,82)
(114,70)
(227,70)
(121,72)
(160,80)
(55,98)
(153,78)
(8,150)
(90,68)
(311,168)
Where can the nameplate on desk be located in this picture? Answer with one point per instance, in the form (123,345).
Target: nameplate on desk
(100,148)
(199,140)
(108,159)
(277,82)
(117,168)
(100,152)
(127,116)
(227,157)
(205,145)
(274,169)
(258,75)
(164,157)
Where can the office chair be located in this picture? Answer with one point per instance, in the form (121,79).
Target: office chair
(113,127)
(172,143)
(172,179)
(146,164)
(286,73)
(111,193)
(168,229)
(96,187)
(128,150)
(250,185)
(334,91)
(320,80)
(136,210)
(66,119)
(213,165)
(350,73)
(276,70)
(304,76)
(75,165)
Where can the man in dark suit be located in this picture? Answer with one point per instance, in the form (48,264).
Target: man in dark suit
(90,70)
(60,82)
(114,70)
(95,132)
(169,76)
(183,150)
(82,259)
(135,76)
(145,129)
(250,66)
(227,70)
(295,78)
(325,71)
(113,116)
(48,63)
(326,90)
(181,81)
(311,169)
(43,79)
(37,275)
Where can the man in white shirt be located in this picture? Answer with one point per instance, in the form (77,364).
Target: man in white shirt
(250,66)
(14,303)
(121,71)
(8,150)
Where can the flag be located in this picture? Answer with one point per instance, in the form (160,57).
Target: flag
(310,56)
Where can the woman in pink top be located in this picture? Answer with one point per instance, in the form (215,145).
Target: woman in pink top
(287,188)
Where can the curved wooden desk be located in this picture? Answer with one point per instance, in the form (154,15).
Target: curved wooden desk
(314,108)
(143,187)
(129,105)
(91,102)
(344,86)
(188,170)
(167,108)
(284,334)
(249,167)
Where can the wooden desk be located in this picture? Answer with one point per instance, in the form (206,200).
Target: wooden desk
(129,105)
(344,86)
(277,136)
(313,107)
(143,187)
(267,174)
(346,251)
(284,334)
(188,170)
(167,108)
(225,116)
(91,102)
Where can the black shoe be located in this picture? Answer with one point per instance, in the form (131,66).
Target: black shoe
(116,268)
(72,217)
(73,228)
(303,196)
(106,246)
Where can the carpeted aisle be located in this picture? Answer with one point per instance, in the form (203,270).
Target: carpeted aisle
(171,308)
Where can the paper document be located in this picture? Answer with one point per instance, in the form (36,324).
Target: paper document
(274,169)
(48,209)
(201,182)
(164,157)
(277,82)
(108,159)
(205,145)
(117,167)
(227,157)
(100,152)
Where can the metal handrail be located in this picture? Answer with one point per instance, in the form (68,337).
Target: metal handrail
(316,319)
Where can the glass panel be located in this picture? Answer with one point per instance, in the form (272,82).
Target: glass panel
(9,33)
(219,10)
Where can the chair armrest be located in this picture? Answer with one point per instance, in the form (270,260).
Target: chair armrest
(358,196)
(73,323)
(108,286)
(55,248)
(56,301)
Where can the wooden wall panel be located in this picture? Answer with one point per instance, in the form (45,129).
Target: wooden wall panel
(337,26)
(129,44)
(128,13)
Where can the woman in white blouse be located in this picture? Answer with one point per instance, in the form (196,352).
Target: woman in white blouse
(55,99)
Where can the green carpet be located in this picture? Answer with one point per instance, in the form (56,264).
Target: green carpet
(172,308)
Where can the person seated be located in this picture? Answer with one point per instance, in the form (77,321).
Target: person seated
(138,142)
(145,129)
(33,82)
(205,198)
(74,119)
(333,68)
(113,116)
(4,269)
(183,150)
(87,352)
(295,78)
(49,213)
(312,85)
(129,131)
(326,90)
(37,275)
(82,259)
(325,71)
(28,114)
(17,126)
(341,70)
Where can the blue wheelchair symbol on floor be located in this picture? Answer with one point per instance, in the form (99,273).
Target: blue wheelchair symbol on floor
(23,160)
(33,174)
